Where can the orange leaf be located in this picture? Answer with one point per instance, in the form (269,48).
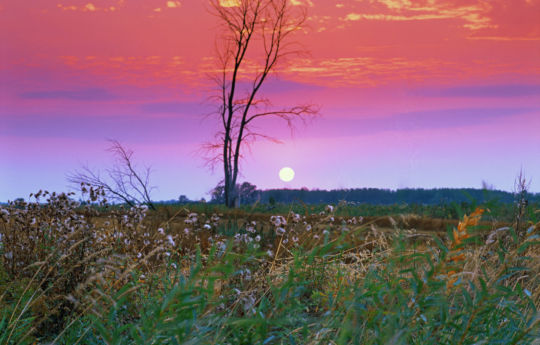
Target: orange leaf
(451,282)
(456,236)
(459,257)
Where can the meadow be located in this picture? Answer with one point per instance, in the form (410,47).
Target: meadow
(94,273)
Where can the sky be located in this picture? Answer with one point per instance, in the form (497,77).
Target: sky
(412,93)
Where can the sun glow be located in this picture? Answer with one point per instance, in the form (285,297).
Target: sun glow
(286,174)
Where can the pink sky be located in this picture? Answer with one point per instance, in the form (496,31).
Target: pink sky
(413,93)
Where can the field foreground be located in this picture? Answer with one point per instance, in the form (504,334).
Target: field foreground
(97,274)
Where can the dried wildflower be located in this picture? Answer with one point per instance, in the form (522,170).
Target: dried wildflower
(278,220)
(246,274)
(295,217)
(170,240)
(191,218)
(4,214)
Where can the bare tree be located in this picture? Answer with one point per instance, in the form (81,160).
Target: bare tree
(256,37)
(122,182)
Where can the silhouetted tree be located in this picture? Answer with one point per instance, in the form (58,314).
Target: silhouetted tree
(183,199)
(256,37)
(217,194)
(247,193)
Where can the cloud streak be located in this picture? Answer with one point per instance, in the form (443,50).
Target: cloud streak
(133,128)
(91,94)
(181,108)
(441,119)
(474,15)
(488,91)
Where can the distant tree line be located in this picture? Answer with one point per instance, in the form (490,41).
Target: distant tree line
(249,194)
(378,196)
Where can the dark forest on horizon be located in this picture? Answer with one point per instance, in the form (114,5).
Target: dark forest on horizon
(249,194)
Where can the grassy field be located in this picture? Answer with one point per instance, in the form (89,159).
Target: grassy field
(328,274)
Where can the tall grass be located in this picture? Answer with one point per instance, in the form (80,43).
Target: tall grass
(245,278)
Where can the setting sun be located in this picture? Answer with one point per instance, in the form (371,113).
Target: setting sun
(286,174)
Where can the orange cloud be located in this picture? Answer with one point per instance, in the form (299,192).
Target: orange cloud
(173,4)
(361,43)
(389,17)
(229,3)
(520,19)
(503,38)
(353,16)
(396,4)
(308,3)
(370,71)
(475,15)
(90,6)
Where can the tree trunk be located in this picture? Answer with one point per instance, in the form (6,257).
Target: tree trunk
(270,22)
(230,192)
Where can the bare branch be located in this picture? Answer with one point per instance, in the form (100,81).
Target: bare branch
(123,183)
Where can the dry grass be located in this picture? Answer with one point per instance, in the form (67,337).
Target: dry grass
(64,262)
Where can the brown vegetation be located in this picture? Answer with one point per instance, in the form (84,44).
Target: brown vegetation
(72,258)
